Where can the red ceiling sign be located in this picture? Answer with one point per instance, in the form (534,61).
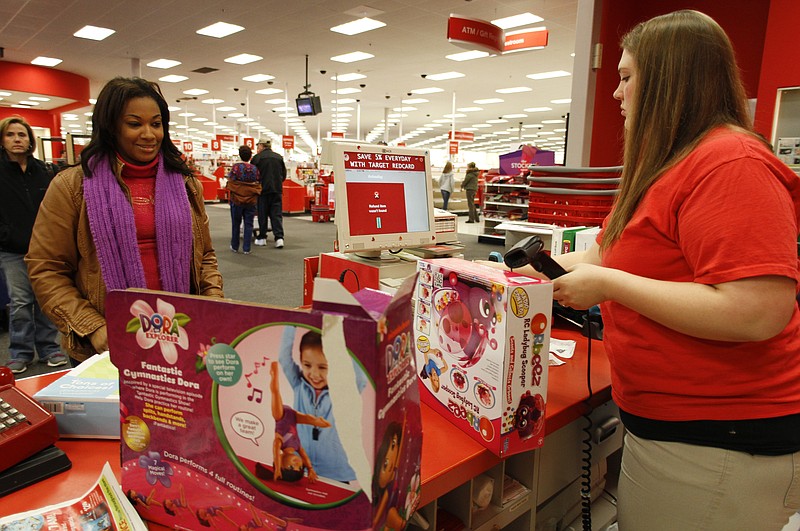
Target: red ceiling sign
(453,147)
(216,145)
(336,134)
(250,142)
(462,135)
(475,33)
(226,138)
(288,142)
(188,147)
(518,41)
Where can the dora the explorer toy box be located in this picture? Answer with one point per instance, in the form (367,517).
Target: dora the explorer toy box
(482,339)
(241,416)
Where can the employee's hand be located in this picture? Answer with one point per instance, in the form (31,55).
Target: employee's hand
(582,287)
(99,339)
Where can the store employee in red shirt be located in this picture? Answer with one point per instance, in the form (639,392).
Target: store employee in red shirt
(696,273)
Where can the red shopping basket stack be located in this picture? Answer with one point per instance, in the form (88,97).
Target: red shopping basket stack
(571,197)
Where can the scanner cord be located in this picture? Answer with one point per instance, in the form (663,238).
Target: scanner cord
(586,475)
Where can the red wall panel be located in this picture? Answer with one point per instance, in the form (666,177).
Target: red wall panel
(745,22)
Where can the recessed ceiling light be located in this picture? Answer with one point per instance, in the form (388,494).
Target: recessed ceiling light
(274,101)
(163,63)
(467,56)
(269,91)
(532,126)
(258,78)
(213,101)
(236,115)
(428,90)
(515,21)
(487,101)
(480,126)
(549,75)
(444,75)
(342,101)
(537,109)
(352,57)
(29,103)
(93,33)
(358,26)
(564,100)
(553,122)
(195,92)
(38,98)
(346,90)
(469,109)
(187,114)
(513,90)
(515,115)
(226,108)
(442,121)
(405,108)
(414,101)
(220,30)
(173,78)
(199,119)
(243,59)
(497,121)
(348,77)
(46,61)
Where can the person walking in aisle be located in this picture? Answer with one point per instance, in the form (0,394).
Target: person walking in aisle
(130,215)
(23,182)
(245,189)
(696,272)
(446,184)
(470,185)
(270,204)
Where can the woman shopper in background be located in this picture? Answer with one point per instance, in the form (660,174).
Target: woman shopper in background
(696,272)
(446,184)
(131,215)
(470,185)
(23,182)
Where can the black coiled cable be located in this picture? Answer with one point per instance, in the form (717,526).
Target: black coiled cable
(586,475)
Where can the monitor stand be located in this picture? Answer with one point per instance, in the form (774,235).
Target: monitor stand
(377,256)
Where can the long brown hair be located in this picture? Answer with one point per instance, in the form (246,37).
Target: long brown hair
(687,83)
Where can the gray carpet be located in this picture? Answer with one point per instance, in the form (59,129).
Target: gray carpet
(268,275)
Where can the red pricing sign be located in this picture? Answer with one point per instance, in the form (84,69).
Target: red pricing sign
(453,147)
(288,141)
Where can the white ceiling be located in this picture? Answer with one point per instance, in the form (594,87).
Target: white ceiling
(283,32)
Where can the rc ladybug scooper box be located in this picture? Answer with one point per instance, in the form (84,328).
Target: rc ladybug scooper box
(243,416)
(482,339)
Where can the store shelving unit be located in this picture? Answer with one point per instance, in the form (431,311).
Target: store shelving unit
(502,201)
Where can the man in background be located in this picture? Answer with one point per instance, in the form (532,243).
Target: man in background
(270,203)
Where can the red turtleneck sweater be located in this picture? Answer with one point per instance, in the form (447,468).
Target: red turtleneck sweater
(142,183)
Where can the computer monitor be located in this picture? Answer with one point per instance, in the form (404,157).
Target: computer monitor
(384,198)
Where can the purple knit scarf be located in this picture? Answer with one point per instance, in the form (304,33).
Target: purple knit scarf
(113,228)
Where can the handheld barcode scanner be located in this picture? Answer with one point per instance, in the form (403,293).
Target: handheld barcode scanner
(531,251)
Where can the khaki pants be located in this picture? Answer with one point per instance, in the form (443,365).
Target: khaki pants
(674,486)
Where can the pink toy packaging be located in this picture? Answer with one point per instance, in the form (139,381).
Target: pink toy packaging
(482,339)
(241,416)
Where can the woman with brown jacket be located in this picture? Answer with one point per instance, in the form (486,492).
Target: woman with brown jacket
(131,215)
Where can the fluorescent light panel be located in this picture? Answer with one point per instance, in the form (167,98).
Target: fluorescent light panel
(269,91)
(258,78)
(163,63)
(346,90)
(444,75)
(467,56)
(243,59)
(549,75)
(516,21)
(220,30)
(564,100)
(428,90)
(93,33)
(195,92)
(513,90)
(358,26)
(487,101)
(46,61)
(352,57)
(348,77)
(173,78)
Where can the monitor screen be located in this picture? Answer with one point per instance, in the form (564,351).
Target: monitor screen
(308,105)
(384,197)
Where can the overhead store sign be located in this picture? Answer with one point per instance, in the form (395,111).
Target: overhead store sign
(453,147)
(477,34)
(288,142)
(250,142)
(216,145)
(461,135)
(188,147)
(226,138)
(532,39)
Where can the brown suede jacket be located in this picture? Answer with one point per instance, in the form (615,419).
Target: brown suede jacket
(64,269)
